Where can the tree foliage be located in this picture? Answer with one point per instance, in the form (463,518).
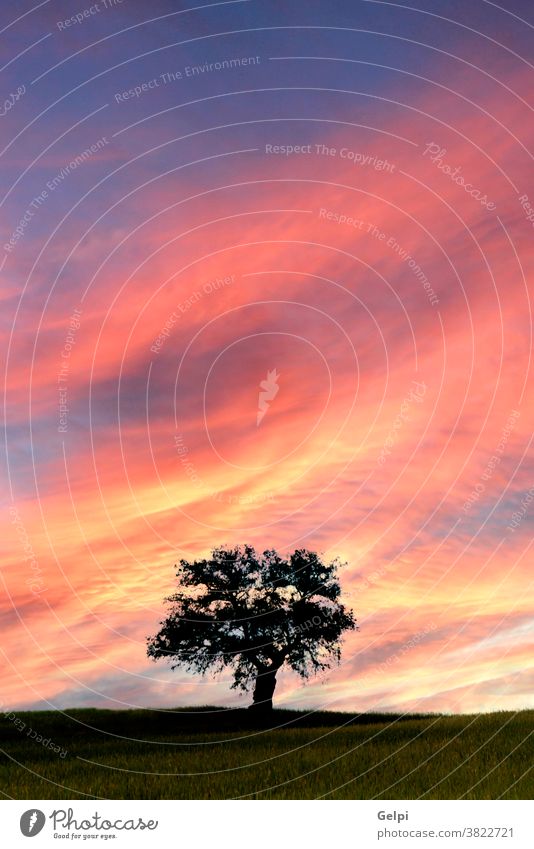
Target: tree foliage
(254,613)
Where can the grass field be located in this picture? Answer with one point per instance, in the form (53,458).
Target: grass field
(209,753)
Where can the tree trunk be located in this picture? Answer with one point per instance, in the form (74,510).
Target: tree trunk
(264,689)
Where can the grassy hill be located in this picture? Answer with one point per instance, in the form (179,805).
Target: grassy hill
(212,753)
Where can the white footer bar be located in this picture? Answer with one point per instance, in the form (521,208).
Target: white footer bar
(267,824)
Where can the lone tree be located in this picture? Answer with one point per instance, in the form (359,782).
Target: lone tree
(254,613)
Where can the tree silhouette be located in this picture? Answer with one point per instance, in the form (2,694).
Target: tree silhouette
(254,613)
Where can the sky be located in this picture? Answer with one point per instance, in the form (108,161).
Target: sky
(333,199)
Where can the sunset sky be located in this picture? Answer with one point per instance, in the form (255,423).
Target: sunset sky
(195,195)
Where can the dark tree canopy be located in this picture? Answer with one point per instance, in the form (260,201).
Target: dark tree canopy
(254,613)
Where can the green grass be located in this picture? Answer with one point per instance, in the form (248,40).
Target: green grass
(209,753)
